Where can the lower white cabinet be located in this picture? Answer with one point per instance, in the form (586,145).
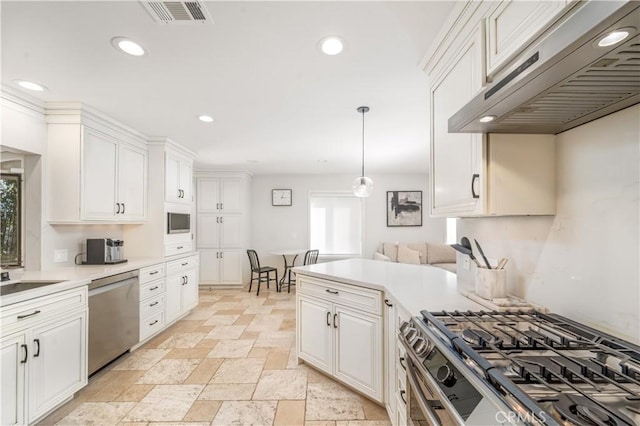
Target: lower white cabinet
(222,267)
(43,356)
(181,287)
(335,336)
(390,357)
(152,300)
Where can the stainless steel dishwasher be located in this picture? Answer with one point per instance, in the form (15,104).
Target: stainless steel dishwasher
(114,306)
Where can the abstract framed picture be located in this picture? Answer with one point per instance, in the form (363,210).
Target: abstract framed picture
(404,208)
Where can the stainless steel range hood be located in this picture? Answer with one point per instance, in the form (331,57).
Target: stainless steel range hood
(565,79)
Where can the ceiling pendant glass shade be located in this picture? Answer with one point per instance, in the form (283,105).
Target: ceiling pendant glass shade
(362,186)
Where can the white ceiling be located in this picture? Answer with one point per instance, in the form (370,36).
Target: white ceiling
(276,99)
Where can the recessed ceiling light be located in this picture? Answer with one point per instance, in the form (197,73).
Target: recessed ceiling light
(331,45)
(487,118)
(614,37)
(206,118)
(31,85)
(128,46)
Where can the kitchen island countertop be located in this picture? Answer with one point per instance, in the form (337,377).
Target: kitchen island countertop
(415,287)
(75,276)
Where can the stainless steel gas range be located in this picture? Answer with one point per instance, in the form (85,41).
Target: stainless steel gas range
(520,367)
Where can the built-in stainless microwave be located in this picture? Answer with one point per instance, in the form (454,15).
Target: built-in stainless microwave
(178,223)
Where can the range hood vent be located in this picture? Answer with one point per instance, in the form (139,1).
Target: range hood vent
(177,12)
(565,80)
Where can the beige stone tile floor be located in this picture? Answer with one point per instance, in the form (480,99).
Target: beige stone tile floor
(231,361)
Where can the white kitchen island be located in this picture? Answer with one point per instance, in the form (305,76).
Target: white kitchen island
(347,315)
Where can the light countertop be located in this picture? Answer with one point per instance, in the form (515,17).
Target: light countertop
(415,287)
(75,276)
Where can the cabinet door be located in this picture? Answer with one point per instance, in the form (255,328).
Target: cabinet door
(231,231)
(132,181)
(456,158)
(209,266)
(314,333)
(185,173)
(358,351)
(513,24)
(208,197)
(390,357)
(208,233)
(189,291)
(98,192)
(231,196)
(231,271)
(172,178)
(173,299)
(12,369)
(58,353)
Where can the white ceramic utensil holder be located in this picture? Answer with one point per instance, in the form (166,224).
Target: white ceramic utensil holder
(491,283)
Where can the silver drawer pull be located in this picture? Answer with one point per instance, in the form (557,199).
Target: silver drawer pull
(154,303)
(331,291)
(28,315)
(155,322)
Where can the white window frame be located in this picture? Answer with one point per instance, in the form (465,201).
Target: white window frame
(334,256)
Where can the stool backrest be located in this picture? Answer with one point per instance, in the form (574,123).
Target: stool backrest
(253,260)
(311,257)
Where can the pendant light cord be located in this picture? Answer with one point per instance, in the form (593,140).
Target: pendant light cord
(363,111)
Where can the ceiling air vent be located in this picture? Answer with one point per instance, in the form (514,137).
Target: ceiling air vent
(177,12)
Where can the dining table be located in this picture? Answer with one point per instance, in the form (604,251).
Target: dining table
(289,257)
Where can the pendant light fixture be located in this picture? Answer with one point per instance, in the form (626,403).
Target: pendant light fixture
(362,186)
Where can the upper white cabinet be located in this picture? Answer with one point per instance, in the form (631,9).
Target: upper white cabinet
(178,178)
(97,169)
(513,24)
(220,195)
(477,174)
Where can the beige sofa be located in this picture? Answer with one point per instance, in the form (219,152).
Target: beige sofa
(440,255)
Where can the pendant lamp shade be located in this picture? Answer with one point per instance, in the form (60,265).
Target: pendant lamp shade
(362,186)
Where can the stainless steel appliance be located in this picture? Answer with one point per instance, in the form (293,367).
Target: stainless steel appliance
(520,367)
(178,223)
(114,305)
(565,79)
(103,251)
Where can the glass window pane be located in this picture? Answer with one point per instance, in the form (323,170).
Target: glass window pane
(335,223)
(10,225)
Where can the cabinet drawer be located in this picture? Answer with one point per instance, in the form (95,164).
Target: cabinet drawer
(177,248)
(151,273)
(152,306)
(152,289)
(30,311)
(354,297)
(182,264)
(151,325)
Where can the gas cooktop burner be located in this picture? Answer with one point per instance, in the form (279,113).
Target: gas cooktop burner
(579,410)
(477,337)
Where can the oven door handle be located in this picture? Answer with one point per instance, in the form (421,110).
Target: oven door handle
(422,401)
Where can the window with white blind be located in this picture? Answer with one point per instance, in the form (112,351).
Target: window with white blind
(335,223)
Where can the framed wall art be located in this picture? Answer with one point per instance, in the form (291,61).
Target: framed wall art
(404,208)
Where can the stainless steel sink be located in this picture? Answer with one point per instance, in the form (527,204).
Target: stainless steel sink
(19,286)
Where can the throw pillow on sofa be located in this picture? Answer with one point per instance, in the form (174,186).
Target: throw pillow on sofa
(406,255)
(380,256)
(441,253)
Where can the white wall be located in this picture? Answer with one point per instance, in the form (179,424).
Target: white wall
(584,261)
(287,227)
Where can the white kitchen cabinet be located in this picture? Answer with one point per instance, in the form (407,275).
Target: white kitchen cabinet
(181,287)
(59,362)
(43,355)
(512,25)
(222,225)
(152,300)
(220,195)
(178,178)
(339,331)
(222,267)
(476,174)
(390,357)
(13,358)
(97,168)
